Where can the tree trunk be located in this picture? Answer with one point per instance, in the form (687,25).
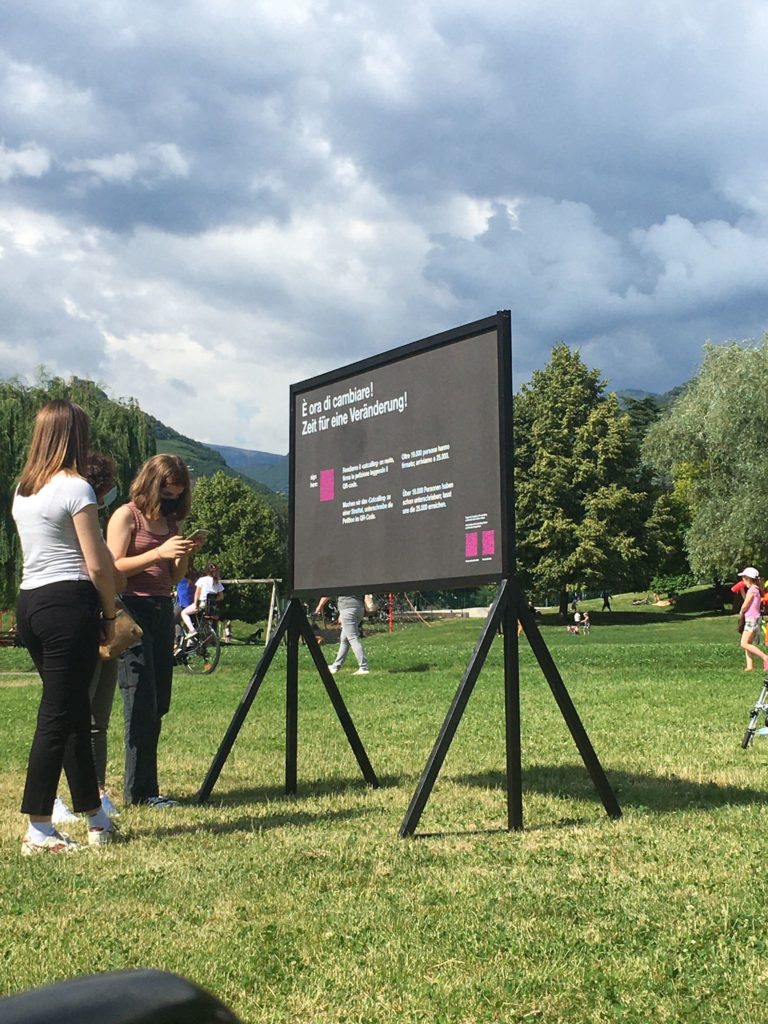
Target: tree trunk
(563,604)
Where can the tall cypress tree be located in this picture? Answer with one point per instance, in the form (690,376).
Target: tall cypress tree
(582,497)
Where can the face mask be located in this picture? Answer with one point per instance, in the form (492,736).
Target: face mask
(169,505)
(109,497)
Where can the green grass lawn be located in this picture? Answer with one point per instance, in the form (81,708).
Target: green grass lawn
(311,909)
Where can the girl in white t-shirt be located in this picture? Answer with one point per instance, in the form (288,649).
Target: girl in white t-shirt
(66,605)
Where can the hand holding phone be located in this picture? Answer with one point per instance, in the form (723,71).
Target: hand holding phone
(199,537)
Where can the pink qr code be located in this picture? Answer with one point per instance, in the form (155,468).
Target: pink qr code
(327,485)
(489,542)
(470,545)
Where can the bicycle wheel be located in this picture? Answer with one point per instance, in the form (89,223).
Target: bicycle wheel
(749,735)
(202,653)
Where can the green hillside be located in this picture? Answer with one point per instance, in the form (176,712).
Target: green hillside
(265,467)
(204,461)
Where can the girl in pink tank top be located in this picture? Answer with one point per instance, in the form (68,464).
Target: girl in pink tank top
(749,617)
(144,539)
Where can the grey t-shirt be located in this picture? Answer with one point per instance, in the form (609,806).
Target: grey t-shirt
(349,602)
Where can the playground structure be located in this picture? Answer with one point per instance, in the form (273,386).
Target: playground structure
(274,606)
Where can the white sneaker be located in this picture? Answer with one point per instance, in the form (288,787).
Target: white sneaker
(59,842)
(108,807)
(62,813)
(333,668)
(103,836)
(361,672)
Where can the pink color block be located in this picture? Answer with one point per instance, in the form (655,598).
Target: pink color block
(470,545)
(489,542)
(327,485)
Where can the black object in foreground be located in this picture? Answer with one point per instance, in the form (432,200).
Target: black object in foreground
(120,997)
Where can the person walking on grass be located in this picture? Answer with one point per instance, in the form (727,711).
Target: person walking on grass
(66,604)
(749,618)
(351,614)
(143,536)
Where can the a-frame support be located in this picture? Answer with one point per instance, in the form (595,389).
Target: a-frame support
(508,607)
(292,626)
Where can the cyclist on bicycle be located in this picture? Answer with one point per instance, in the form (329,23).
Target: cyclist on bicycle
(205,586)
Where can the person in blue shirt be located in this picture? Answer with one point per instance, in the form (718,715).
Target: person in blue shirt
(185,595)
(185,588)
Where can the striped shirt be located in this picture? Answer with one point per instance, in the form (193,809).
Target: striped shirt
(155,580)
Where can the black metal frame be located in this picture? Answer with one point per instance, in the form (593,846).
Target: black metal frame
(508,607)
(293,625)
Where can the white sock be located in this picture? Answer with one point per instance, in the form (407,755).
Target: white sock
(99,820)
(38,830)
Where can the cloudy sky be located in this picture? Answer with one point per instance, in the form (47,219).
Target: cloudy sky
(201,203)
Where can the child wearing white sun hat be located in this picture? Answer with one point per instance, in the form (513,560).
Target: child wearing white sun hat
(749,618)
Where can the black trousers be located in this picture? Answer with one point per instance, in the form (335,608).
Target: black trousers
(59,625)
(145,678)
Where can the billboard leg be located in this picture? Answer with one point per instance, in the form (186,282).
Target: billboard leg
(244,707)
(292,702)
(512,718)
(456,710)
(292,625)
(509,606)
(338,703)
(567,709)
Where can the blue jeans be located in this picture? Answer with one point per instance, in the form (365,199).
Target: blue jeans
(101,694)
(145,677)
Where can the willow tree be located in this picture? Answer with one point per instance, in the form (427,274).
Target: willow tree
(119,429)
(710,442)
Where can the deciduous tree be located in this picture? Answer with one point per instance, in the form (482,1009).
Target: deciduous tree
(244,539)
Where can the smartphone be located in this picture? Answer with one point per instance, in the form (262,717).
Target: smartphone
(199,536)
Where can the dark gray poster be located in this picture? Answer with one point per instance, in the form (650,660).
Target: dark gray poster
(396,472)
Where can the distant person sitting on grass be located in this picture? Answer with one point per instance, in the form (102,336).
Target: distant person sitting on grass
(749,618)
(351,615)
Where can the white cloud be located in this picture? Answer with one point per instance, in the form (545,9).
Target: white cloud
(153,163)
(29,161)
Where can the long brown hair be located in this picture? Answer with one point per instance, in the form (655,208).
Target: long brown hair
(156,473)
(59,441)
